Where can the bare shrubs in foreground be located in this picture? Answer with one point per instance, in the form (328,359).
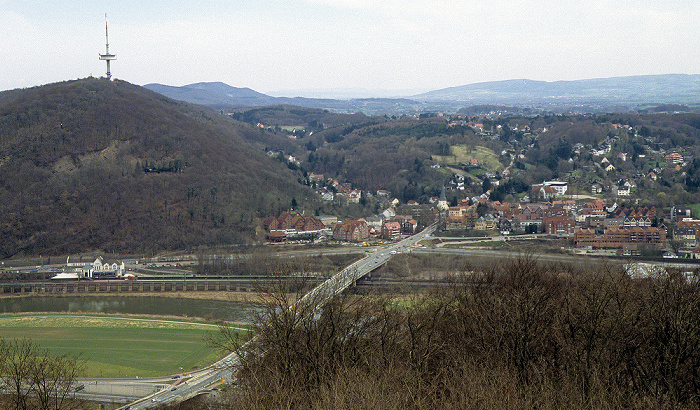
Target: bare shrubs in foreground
(520,335)
(30,378)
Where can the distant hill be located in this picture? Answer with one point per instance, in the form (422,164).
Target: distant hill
(603,94)
(213,94)
(628,91)
(99,165)
(220,95)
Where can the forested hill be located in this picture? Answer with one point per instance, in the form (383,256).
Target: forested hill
(99,165)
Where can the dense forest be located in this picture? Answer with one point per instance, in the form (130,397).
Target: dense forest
(99,165)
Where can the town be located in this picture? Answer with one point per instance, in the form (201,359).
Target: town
(589,224)
(600,203)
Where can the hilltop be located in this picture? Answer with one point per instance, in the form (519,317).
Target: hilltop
(99,165)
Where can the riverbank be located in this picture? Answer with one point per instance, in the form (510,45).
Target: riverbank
(205,306)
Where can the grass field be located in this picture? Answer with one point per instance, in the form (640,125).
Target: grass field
(463,154)
(695,210)
(291,128)
(115,346)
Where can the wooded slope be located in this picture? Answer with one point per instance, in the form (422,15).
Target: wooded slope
(92,164)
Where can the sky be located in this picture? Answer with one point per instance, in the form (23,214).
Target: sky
(324,47)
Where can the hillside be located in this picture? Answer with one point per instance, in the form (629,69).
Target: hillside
(92,164)
(413,157)
(601,92)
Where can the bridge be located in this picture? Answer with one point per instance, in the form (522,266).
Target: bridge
(197,382)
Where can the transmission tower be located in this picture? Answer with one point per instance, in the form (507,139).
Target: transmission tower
(106,56)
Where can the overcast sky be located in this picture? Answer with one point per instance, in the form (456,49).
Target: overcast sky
(284,46)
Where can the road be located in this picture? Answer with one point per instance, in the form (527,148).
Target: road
(183,388)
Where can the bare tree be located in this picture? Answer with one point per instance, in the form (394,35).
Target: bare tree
(53,381)
(35,379)
(16,371)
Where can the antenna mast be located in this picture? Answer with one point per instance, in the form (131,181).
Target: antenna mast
(106,56)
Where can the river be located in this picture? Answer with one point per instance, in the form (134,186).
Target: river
(134,305)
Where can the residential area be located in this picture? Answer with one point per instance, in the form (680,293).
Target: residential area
(588,224)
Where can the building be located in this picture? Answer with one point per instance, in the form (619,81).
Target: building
(680,212)
(648,211)
(98,267)
(409,227)
(506,209)
(391,230)
(533,211)
(619,238)
(375,221)
(690,223)
(522,224)
(383,194)
(505,226)
(292,225)
(674,158)
(595,222)
(559,225)
(328,220)
(554,211)
(614,223)
(687,236)
(351,231)
(486,223)
(454,223)
(596,189)
(621,191)
(292,221)
(637,221)
(543,193)
(354,196)
(560,186)
(442,205)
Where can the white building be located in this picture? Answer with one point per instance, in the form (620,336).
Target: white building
(559,186)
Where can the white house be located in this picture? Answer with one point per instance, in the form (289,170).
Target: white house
(622,191)
(99,265)
(388,214)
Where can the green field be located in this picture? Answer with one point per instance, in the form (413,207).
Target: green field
(695,210)
(118,347)
(488,159)
(291,128)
